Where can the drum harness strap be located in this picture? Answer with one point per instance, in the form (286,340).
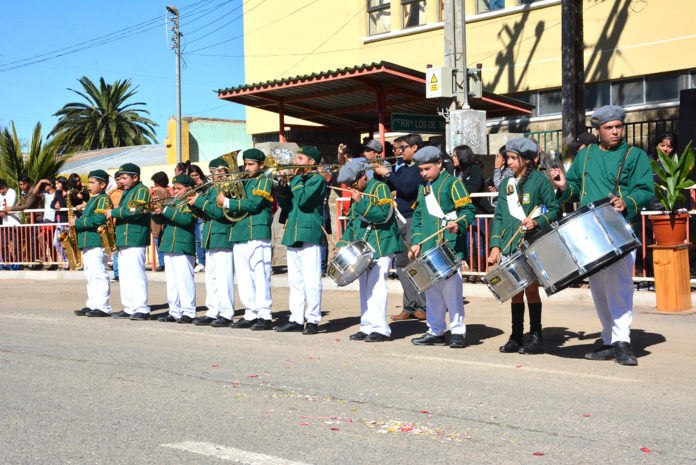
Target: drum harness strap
(618,176)
(435,209)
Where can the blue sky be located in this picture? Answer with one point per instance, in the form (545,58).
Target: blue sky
(33,92)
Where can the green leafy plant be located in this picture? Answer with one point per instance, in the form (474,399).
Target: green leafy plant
(674,177)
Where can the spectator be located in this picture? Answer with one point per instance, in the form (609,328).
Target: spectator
(182,168)
(160,190)
(9,245)
(29,200)
(79,194)
(198,180)
(60,201)
(500,172)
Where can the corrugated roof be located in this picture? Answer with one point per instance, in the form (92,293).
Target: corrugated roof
(141,155)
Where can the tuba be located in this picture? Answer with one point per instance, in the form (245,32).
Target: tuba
(107,232)
(233,189)
(68,240)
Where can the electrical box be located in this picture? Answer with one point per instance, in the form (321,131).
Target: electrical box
(438,82)
(474,83)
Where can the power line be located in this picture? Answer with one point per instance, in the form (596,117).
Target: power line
(228,22)
(215,20)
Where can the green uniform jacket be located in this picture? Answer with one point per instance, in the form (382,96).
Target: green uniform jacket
(537,190)
(593,173)
(86,225)
(379,211)
(179,235)
(257,225)
(452,196)
(217,229)
(132,228)
(303,197)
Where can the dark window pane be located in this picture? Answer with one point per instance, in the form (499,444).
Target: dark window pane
(488,5)
(662,88)
(596,95)
(377,3)
(413,13)
(627,92)
(378,17)
(549,102)
(525,2)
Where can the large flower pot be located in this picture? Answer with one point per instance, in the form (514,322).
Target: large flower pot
(669,229)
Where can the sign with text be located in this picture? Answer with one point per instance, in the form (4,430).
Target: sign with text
(403,122)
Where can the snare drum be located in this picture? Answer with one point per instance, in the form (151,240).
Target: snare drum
(510,277)
(433,266)
(350,262)
(579,245)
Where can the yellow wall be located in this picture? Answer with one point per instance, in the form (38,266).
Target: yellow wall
(519,51)
(170,141)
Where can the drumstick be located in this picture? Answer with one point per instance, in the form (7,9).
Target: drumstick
(520,228)
(328,237)
(439,231)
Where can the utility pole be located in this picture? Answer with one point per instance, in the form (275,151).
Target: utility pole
(464,125)
(573,72)
(176,46)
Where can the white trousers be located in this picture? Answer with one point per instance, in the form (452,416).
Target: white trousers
(253,263)
(181,290)
(446,296)
(131,272)
(612,292)
(219,283)
(373,297)
(304,277)
(98,286)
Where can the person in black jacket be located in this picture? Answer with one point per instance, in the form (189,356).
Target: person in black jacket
(405,180)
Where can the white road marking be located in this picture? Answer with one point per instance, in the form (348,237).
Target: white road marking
(229,453)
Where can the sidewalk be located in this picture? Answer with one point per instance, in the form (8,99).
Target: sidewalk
(642,300)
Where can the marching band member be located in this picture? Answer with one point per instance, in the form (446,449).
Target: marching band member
(252,243)
(179,248)
(302,197)
(132,236)
(595,172)
(217,242)
(372,219)
(517,199)
(441,201)
(89,241)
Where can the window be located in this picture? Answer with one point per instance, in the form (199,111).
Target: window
(441,10)
(378,17)
(525,2)
(413,13)
(549,102)
(489,5)
(596,95)
(662,88)
(628,92)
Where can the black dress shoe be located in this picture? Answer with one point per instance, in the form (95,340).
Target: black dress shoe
(623,354)
(185,319)
(359,336)
(377,337)
(511,346)
(457,341)
(603,353)
(167,318)
(220,322)
(97,313)
(203,321)
(311,328)
(262,325)
(243,323)
(288,327)
(140,316)
(122,315)
(532,344)
(83,311)
(429,339)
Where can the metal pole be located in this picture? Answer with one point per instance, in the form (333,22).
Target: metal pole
(176,46)
(572,74)
(455,50)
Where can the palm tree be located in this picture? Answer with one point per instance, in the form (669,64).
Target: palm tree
(42,161)
(105,121)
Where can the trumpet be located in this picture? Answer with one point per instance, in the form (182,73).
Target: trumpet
(135,206)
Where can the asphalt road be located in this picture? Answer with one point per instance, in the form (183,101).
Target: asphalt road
(90,391)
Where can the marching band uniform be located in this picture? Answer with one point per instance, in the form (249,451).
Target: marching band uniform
(303,199)
(592,177)
(179,248)
(94,257)
(443,200)
(252,248)
(509,213)
(216,239)
(372,219)
(132,236)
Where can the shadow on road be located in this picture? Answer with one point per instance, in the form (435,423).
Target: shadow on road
(476,334)
(555,339)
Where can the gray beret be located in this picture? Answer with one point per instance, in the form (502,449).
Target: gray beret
(427,154)
(374,145)
(523,147)
(607,113)
(350,172)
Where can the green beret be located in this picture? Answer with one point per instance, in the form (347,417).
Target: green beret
(218,163)
(183,179)
(99,174)
(254,154)
(128,168)
(311,152)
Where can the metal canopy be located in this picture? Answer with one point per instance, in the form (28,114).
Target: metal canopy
(361,97)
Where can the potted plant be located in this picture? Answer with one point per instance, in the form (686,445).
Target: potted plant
(673,173)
